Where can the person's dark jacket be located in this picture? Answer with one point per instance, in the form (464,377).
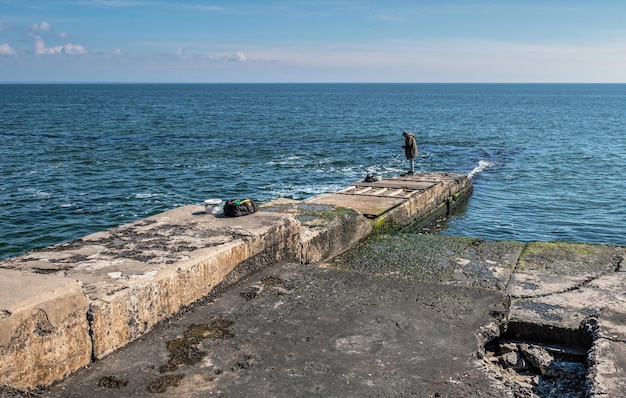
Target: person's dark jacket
(410,146)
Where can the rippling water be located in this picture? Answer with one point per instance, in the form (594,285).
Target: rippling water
(547,160)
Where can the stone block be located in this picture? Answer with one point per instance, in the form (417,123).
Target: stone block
(44,334)
(334,237)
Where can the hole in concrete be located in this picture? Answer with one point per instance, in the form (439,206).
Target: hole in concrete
(546,360)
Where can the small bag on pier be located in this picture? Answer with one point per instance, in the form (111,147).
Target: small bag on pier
(240,207)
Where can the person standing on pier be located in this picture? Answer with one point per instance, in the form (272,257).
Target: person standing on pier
(410,151)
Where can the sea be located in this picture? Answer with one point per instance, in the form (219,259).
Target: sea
(548,161)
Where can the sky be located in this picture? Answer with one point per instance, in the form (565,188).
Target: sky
(241,41)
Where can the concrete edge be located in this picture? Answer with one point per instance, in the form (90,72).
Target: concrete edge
(44,333)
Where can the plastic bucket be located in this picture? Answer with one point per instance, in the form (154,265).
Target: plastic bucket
(212,206)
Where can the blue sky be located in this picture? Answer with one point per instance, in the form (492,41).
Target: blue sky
(313,41)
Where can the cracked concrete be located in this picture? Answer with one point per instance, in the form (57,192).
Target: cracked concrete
(551,286)
(397,315)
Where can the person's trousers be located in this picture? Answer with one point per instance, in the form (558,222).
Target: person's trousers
(411,165)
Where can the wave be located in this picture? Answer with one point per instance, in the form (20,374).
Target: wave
(482,166)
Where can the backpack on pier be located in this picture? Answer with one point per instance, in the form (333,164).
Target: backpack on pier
(240,207)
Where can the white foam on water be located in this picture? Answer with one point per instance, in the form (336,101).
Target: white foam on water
(300,191)
(482,166)
(42,194)
(146,195)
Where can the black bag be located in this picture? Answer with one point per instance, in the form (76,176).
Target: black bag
(240,207)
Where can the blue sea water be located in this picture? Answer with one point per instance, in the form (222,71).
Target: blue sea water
(547,160)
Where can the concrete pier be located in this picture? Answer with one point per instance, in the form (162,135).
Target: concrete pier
(94,295)
(302,299)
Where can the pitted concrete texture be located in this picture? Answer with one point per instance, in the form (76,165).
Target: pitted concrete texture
(557,291)
(135,275)
(608,373)
(294,331)
(42,320)
(141,273)
(568,285)
(431,258)
(138,274)
(398,315)
(327,230)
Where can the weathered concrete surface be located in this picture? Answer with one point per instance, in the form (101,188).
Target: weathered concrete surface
(327,230)
(399,315)
(140,273)
(432,258)
(129,278)
(413,200)
(42,321)
(293,331)
(568,285)
(558,292)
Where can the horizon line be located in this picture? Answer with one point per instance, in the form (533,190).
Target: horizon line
(294,82)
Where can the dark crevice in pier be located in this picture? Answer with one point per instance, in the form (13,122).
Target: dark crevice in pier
(90,312)
(545,360)
(565,290)
(620,260)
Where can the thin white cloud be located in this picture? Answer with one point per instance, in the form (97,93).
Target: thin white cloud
(74,49)
(180,53)
(4,26)
(69,48)
(44,26)
(238,57)
(199,55)
(6,49)
(40,47)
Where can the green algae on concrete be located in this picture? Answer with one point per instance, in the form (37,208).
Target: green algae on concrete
(453,260)
(314,215)
(308,214)
(327,229)
(565,284)
(568,258)
(389,222)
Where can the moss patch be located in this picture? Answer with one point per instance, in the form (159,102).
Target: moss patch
(383,226)
(321,214)
(434,258)
(569,258)
(185,351)
(112,382)
(161,384)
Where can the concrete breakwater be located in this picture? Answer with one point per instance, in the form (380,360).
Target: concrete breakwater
(333,310)
(65,306)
